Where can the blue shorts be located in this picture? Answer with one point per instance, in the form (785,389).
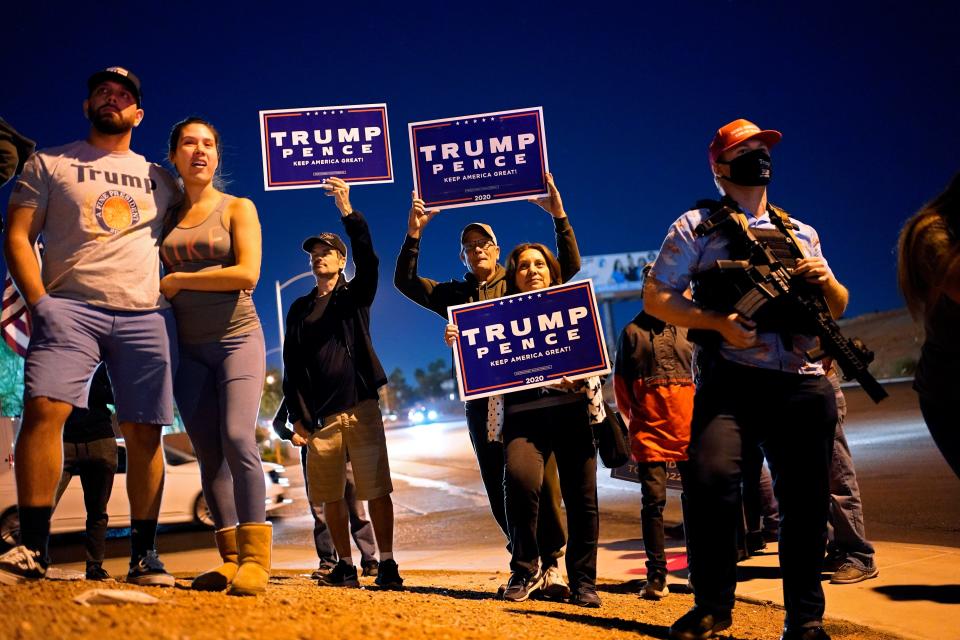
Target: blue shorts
(68,340)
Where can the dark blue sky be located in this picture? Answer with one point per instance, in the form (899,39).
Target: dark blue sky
(866,95)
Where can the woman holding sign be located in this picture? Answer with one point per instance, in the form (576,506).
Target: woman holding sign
(537,424)
(211,252)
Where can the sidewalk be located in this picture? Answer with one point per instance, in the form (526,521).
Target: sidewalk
(915,595)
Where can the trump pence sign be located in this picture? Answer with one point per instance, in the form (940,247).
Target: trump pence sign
(303,147)
(479,159)
(528,340)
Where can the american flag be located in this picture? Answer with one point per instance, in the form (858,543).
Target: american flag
(14,318)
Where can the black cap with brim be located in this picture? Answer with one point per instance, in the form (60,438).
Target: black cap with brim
(117,74)
(327,238)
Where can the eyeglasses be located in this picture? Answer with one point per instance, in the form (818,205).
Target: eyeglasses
(484,244)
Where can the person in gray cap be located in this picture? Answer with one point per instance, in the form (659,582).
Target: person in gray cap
(330,380)
(486,279)
(101,209)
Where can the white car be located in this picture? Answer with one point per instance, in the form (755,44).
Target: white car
(182,497)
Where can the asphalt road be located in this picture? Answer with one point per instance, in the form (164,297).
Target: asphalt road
(909,492)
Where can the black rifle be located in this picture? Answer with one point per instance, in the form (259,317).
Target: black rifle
(767,289)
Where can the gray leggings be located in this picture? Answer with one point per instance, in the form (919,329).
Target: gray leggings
(217,387)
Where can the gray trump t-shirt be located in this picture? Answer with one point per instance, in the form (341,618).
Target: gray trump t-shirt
(103,215)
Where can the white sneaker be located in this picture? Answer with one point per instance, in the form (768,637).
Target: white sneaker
(554,586)
(20,565)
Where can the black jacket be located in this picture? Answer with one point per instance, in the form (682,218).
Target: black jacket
(351,302)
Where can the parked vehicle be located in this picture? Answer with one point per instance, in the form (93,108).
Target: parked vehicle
(182,497)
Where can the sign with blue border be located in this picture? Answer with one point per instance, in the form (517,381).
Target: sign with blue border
(528,340)
(303,147)
(479,159)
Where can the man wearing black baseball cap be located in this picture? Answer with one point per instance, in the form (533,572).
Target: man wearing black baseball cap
(118,75)
(331,375)
(100,208)
(486,279)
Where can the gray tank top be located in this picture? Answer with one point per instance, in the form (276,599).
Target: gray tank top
(207,316)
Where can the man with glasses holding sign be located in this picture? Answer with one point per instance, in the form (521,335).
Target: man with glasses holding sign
(485,280)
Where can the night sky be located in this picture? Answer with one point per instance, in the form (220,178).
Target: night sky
(866,95)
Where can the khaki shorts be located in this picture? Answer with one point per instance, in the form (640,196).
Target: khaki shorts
(355,434)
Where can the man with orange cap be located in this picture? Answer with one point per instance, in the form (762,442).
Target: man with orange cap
(757,383)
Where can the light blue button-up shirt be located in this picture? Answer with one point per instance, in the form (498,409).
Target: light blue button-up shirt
(683,254)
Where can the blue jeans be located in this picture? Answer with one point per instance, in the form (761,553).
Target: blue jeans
(360,527)
(847,538)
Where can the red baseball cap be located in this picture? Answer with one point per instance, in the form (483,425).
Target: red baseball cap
(733,133)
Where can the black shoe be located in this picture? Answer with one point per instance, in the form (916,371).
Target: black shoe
(388,575)
(755,542)
(148,571)
(343,575)
(805,633)
(95,571)
(326,566)
(655,588)
(521,586)
(698,624)
(370,568)
(584,596)
(21,564)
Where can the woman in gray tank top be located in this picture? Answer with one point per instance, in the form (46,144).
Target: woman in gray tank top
(212,252)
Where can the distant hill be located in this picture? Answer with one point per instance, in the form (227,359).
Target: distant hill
(894,338)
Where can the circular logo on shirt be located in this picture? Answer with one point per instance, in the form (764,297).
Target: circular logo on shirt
(115,211)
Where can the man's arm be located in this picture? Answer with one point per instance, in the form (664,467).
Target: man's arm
(363,286)
(815,271)
(672,307)
(291,366)
(425,292)
(24,225)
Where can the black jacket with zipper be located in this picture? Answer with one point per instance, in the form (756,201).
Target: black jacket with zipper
(350,301)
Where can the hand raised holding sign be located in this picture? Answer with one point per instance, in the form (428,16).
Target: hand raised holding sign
(419,216)
(451,334)
(552,203)
(340,190)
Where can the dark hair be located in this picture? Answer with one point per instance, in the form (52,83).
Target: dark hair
(178,129)
(552,264)
(929,244)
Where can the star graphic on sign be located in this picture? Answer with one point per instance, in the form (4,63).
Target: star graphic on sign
(341,110)
(529,297)
(324,113)
(501,304)
(474,119)
(511,300)
(484,120)
(457,123)
(539,295)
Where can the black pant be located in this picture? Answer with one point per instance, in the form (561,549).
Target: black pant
(96,464)
(551,530)
(792,417)
(941,417)
(530,438)
(653,498)
(360,527)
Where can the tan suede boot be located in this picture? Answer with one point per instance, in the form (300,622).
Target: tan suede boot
(255,540)
(219,578)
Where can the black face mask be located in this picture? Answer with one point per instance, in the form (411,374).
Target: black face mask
(752,169)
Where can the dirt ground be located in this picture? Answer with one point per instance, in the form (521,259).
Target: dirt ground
(434,605)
